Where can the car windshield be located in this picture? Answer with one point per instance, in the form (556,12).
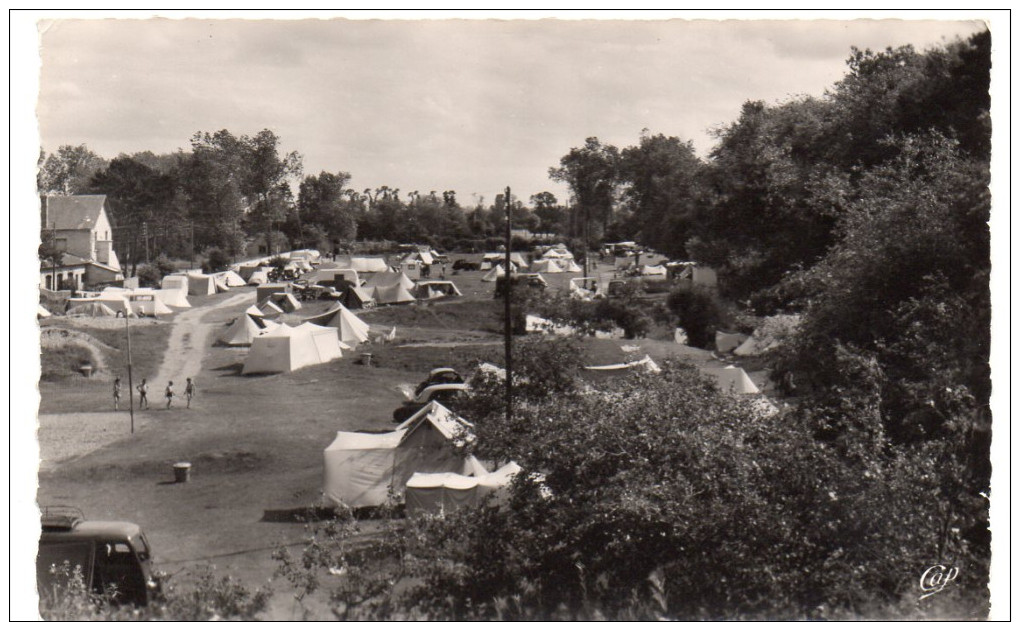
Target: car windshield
(141,547)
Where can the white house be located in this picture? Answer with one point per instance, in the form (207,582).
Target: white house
(80,228)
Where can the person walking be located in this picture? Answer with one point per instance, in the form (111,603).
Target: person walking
(189,391)
(169,394)
(143,391)
(116,394)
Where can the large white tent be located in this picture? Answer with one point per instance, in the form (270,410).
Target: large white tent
(360,468)
(285,349)
(173,297)
(392,294)
(148,304)
(201,285)
(352,329)
(245,328)
(435,289)
(361,264)
(91,309)
(547,266)
(387,279)
(259,277)
(117,302)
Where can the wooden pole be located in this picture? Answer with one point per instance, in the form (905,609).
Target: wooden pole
(131,384)
(507,323)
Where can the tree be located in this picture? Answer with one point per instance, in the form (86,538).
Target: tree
(323,202)
(592,174)
(69,170)
(662,187)
(211,180)
(266,177)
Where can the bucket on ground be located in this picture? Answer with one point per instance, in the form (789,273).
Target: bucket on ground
(366,359)
(182,472)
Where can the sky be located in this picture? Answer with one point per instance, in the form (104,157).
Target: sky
(468,105)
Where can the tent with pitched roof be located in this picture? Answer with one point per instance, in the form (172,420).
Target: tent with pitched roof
(392,294)
(437,493)
(284,349)
(91,309)
(360,468)
(286,301)
(387,279)
(352,329)
(547,266)
(428,290)
(175,281)
(245,328)
(201,285)
(117,302)
(731,379)
(495,273)
(269,308)
(229,278)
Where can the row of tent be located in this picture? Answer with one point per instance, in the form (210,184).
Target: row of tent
(114,301)
(421,459)
(554,266)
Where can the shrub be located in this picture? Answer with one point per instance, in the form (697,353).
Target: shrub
(216,260)
(699,312)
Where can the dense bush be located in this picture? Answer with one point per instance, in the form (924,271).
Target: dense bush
(699,312)
(216,260)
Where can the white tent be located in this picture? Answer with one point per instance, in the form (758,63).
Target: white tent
(548,266)
(558,253)
(201,285)
(245,328)
(536,324)
(361,264)
(495,273)
(435,289)
(117,302)
(392,294)
(443,492)
(360,468)
(92,309)
(568,265)
(653,270)
(175,281)
(731,379)
(253,310)
(387,279)
(423,257)
(287,302)
(352,329)
(330,274)
(493,259)
(263,292)
(229,278)
(173,297)
(258,277)
(269,308)
(285,349)
(42,313)
(727,342)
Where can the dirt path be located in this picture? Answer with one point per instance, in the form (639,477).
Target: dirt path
(186,346)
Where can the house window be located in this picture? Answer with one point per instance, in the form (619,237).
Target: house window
(49,282)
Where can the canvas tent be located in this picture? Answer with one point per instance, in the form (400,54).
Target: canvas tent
(245,328)
(229,278)
(568,265)
(419,257)
(435,289)
(731,379)
(557,253)
(117,302)
(436,493)
(547,266)
(201,285)
(387,279)
(653,271)
(360,264)
(92,309)
(263,292)
(269,308)
(253,310)
(147,304)
(284,349)
(175,281)
(286,301)
(354,297)
(495,273)
(173,297)
(330,275)
(490,260)
(352,329)
(727,342)
(360,468)
(392,294)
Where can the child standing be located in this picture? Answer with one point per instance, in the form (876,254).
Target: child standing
(116,394)
(169,394)
(143,390)
(189,391)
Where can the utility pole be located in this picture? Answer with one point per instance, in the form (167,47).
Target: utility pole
(507,324)
(192,245)
(131,384)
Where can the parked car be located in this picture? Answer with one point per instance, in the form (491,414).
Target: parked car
(114,556)
(464,264)
(438,392)
(439,375)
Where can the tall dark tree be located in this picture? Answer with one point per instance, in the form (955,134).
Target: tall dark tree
(69,170)
(592,172)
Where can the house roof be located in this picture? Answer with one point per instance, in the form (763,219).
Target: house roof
(72,261)
(73,212)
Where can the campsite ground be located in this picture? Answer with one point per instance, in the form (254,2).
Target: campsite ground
(255,442)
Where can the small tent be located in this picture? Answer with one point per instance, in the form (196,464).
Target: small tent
(175,281)
(253,310)
(354,297)
(147,304)
(727,342)
(269,308)
(118,303)
(568,265)
(387,279)
(258,277)
(263,292)
(92,309)
(201,285)
(173,297)
(352,329)
(428,290)
(547,266)
(392,294)
(245,328)
(286,301)
(731,379)
(495,273)
(229,278)
(558,253)
(437,493)
(284,349)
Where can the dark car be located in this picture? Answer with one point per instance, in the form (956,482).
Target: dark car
(464,264)
(114,556)
(442,393)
